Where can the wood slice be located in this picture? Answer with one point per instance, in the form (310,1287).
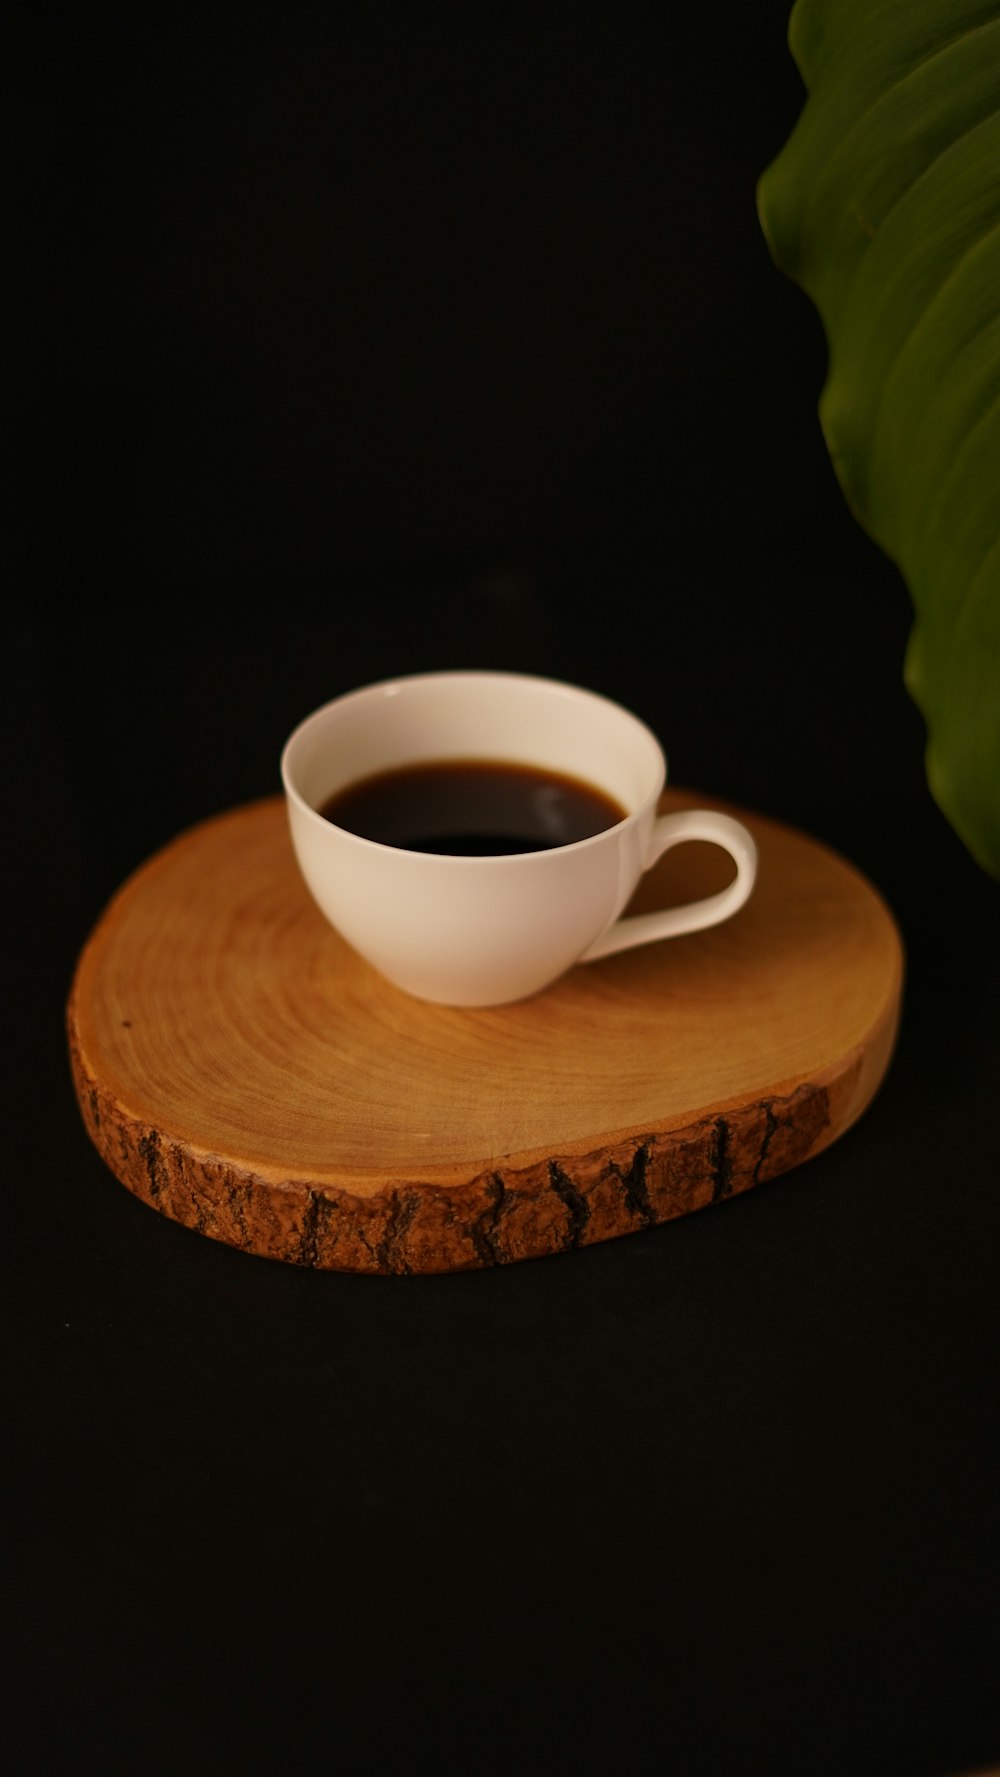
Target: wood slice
(243,1071)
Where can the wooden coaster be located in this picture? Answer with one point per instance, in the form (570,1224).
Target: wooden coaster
(246,1073)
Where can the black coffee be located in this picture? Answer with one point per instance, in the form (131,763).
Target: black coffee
(473,808)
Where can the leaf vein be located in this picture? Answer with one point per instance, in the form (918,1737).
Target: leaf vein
(963,136)
(934,297)
(939,49)
(966,605)
(957,465)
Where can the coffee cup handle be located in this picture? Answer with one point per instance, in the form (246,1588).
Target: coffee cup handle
(694,916)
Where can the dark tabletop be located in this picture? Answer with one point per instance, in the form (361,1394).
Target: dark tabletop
(361,343)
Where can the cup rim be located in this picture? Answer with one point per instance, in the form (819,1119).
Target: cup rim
(450,676)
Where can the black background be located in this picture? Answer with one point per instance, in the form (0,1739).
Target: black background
(366,340)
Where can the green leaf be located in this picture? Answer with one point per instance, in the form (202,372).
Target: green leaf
(885,206)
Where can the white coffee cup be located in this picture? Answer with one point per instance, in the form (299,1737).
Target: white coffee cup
(480,931)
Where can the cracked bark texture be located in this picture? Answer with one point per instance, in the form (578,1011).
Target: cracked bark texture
(246,1075)
(498,1216)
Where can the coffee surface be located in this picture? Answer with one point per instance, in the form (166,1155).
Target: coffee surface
(473,808)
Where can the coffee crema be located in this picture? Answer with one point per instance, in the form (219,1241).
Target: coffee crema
(473,808)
